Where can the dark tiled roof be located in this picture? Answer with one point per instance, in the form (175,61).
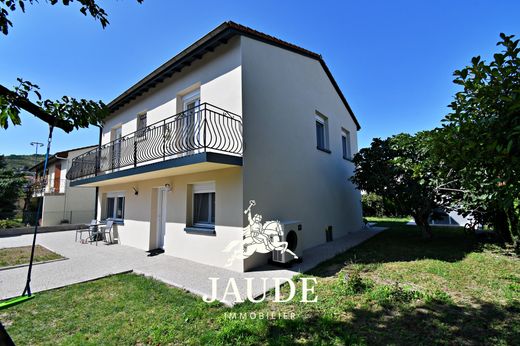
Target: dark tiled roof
(208,43)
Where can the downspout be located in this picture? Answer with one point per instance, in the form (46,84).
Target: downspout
(97,188)
(64,217)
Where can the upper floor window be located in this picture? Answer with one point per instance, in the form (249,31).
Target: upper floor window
(322,132)
(191,100)
(345,143)
(141,123)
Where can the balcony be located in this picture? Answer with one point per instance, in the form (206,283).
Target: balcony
(204,134)
(42,187)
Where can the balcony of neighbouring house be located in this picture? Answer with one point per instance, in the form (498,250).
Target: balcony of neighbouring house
(199,139)
(54,186)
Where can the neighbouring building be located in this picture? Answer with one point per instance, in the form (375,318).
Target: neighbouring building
(63,203)
(449,218)
(237,116)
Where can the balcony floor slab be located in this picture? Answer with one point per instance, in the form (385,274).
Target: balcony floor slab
(183,165)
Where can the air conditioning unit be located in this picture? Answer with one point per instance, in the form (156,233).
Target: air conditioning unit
(293,235)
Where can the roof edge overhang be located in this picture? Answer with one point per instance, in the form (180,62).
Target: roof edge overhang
(59,155)
(219,35)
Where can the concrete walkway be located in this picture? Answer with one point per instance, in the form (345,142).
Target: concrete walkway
(89,262)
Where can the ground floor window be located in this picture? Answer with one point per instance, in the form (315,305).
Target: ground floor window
(204,205)
(115,206)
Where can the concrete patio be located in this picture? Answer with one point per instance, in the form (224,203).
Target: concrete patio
(87,262)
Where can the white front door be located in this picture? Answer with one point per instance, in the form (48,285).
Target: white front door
(161,216)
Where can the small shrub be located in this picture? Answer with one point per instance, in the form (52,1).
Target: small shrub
(438,297)
(10,224)
(386,294)
(396,294)
(353,283)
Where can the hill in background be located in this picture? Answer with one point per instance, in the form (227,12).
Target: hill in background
(22,162)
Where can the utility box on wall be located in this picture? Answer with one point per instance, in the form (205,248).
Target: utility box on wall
(293,235)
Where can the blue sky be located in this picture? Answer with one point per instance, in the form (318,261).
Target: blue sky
(392,59)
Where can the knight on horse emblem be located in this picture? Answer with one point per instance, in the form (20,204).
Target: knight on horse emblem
(258,237)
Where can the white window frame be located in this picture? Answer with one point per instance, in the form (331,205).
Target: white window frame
(206,187)
(325,122)
(190,97)
(347,151)
(116,195)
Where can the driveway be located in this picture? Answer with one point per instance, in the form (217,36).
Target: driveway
(89,262)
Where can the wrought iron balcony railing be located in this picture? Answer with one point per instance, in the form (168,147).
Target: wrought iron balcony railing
(196,130)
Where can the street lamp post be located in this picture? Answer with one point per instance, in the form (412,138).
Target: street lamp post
(37,145)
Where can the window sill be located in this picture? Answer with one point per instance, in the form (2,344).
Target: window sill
(200,230)
(324,150)
(116,221)
(347,159)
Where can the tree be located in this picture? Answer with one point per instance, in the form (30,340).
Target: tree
(375,205)
(9,6)
(11,184)
(392,168)
(477,150)
(66,113)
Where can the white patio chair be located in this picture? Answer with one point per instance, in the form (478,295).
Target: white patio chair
(91,227)
(107,230)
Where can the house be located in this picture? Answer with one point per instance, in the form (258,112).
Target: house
(442,217)
(236,116)
(62,203)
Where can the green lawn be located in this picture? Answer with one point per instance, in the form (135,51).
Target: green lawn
(21,255)
(393,289)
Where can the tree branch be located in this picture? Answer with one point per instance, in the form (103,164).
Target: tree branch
(35,110)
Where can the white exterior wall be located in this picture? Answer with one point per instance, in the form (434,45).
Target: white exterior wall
(219,75)
(278,93)
(139,225)
(283,171)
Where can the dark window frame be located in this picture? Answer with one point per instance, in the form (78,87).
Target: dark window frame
(207,221)
(346,145)
(322,132)
(142,121)
(115,207)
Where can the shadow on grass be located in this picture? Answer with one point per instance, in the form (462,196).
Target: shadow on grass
(426,324)
(402,243)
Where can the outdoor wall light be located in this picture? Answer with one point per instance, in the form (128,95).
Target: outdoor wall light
(136,192)
(168,187)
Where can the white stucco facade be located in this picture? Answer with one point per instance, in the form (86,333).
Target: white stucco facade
(218,77)
(283,170)
(277,93)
